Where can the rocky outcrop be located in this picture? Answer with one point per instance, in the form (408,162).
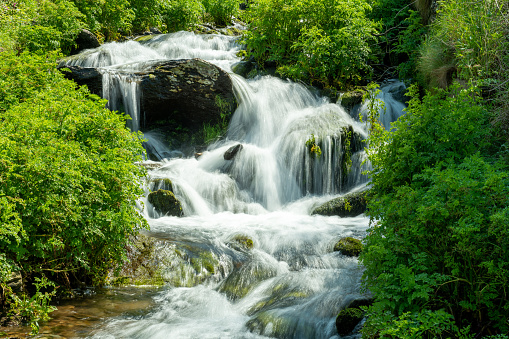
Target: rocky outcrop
(188,92)
(349,205)
(232,152)
(90,77)
(348,246)
(85,40)
(165,202)
(347,320)
(174,93)
(351,99)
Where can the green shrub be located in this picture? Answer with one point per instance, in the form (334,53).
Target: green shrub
(320,42)
(68,181)
(437,253)
(180,15)
(221,11)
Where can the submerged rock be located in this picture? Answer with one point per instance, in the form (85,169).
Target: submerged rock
(232,152)
(163,184)
(165,202)
(350,205)
(348,246)
(241,242)
(347,320)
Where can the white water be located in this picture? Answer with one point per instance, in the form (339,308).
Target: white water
(293,283)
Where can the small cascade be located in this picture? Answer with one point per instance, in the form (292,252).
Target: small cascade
(123,95)
(247,260)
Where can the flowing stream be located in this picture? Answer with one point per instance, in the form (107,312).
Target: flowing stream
(290,284)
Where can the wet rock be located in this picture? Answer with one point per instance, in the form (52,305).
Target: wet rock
(90,77)
(348,246)
(350,205)
(161,184)
(185,92)
(165,202)
(350,99)
(243,68)
(85,40)
(232,152)
(347,320)
(244,278)
(399,94)
(241,242)
(175,94)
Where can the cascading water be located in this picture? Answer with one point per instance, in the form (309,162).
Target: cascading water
(287,282)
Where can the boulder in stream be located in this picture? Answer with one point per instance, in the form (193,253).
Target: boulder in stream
(85,40)
(348,246)
(165,202)
(175,94)
(349,205)
(232,152)
(347,320)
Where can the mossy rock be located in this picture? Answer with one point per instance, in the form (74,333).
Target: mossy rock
(350,205)
(145,38)
(348,246)
(241,242)
(165,202)
(347,319)
(205,261)
(163,184)
(243,68)
(244,278)
(350,99)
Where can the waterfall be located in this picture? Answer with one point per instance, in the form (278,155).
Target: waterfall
(289,283)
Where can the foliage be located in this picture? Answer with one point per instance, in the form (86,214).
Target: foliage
(68,182)
(107,18)
(436,255)
(221,11)
(320,42)
(41,26)
(36,308)
(212,132)
(181,14)
(313,148)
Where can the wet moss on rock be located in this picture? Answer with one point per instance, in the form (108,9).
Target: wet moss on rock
(350,205)
(164,184)
(348,246)
(165,202)
(241,242)
(347,320)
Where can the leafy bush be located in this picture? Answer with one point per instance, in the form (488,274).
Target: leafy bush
(438,250)
(320,42)
(107,18)
(221,11)
(181,14)
(68,181)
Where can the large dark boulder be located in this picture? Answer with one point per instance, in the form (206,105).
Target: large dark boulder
(347,320)
(85,40)
(232,152)
(90,77)
(165,202)
(183,94)
(188,92)
(350,205)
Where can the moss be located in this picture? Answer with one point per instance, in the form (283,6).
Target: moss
(349,205)
(207,261)
(165,202)
(347,319)
(349,246)
(145,38)
(350,99)
(241,242)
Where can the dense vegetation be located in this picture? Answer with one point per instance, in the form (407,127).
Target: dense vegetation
(437,256)
(437,253)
